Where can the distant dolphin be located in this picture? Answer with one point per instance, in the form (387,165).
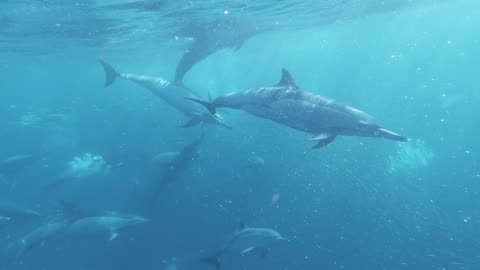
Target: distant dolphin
(109,225)
(17,163)
(38,237)
(12,213)
(171,93)
(287,104)
(246,240)
(210,38)
(176,166)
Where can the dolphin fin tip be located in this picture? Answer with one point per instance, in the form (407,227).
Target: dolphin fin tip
(110,73)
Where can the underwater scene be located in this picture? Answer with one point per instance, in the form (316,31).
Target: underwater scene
(240,134)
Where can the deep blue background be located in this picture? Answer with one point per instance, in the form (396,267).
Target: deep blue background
(416,71)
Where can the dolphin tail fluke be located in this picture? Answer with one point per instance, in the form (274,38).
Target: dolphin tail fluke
(208,105)
(110,73)
(387,134)
(213,261)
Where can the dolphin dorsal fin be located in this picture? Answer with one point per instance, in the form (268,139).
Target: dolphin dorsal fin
(286,79)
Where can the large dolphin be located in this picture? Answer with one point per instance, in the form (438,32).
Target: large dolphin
(212,37)
(171,93)
(174,167)
(287,104)
(246,240)
(109,224)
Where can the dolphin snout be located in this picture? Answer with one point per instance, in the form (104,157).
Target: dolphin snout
(281,238)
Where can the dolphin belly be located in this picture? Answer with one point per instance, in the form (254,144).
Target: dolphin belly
(304,116)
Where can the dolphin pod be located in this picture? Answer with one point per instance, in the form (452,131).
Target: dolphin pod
(285,103)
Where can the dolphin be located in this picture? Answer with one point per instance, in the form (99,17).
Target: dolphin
(246,240)
(38,237)
(285,103)
(176,166)
(109,224)
(171,93)
(12,213)
(213,37)
(16,163)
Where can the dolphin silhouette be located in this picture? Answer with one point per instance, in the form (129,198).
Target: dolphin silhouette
(213,37)
(171,93)
(285,103)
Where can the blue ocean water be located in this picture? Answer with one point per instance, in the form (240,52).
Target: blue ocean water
(359,203)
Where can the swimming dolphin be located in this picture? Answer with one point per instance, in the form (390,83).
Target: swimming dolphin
(210,38)
(110,224)
(16,163)
(171,93)
(38,237)
(246,240)
(287,104)
(11,213)
(176,166)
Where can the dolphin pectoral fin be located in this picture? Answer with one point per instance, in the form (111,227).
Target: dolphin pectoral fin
(321,136)
(208,105)
(247,250)
(113,235)
(110,73)
(192,122)
(324,142)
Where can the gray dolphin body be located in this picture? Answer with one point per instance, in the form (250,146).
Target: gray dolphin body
(287,104)
(213,37)
(17,163)
(11,213)
(174,167)
(38,237)
(107,225)
(171,93)
(246,240)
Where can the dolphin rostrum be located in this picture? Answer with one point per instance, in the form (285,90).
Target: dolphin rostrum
(287,104)
(171,93)
(246,240)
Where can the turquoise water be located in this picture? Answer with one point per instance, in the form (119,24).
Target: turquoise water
(360,203)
